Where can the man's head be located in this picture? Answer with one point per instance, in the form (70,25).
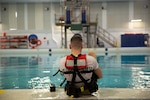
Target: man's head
(76,42)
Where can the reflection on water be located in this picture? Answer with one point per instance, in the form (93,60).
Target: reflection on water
(39,83)
(143,80)
(36,71)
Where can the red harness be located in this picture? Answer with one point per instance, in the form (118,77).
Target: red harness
(81,62)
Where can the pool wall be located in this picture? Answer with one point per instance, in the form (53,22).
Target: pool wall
(85,50)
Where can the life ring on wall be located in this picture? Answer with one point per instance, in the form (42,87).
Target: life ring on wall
(33,41)
(32,36)
(39,42)
(33,47)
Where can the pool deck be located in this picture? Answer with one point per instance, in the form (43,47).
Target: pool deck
(104,94)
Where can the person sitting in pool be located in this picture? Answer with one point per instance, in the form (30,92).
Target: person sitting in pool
(80,70)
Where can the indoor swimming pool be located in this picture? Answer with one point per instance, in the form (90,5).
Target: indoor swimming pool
(28,71)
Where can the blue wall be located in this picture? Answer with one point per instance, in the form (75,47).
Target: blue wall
(133,40)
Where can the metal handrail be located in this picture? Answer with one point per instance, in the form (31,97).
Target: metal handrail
(106,36)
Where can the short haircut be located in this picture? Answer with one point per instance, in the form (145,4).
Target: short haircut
(76,41)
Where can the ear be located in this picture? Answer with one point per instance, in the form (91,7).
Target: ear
(70,46)
(82,46)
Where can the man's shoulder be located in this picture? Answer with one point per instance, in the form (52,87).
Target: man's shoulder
(63,58)
(90,57)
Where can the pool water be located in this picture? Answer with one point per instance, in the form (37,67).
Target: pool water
(36,71)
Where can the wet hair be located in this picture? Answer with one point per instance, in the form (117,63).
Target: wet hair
(76,41)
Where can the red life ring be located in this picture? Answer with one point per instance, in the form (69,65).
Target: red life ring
(39,42)
(33,47)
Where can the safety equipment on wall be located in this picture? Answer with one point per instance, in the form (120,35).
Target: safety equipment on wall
(33,41)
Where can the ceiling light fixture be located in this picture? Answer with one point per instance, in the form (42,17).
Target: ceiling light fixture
(136,20)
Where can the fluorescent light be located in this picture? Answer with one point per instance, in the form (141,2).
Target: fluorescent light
(46,71)
(12,29)
(16,14)
(136,20)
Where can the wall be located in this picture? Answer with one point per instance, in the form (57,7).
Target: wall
(115,17)
(39,18)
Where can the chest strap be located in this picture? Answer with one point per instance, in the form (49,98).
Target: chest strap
(70,72)
(76,71)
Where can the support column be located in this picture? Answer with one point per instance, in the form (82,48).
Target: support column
(104,15)
(131,10)
(39,19)
(131,13)
(12,17)
(0,21)
(65,36)
(25,16)
(0,15)
(88,37)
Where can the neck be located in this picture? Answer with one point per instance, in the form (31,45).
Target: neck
(76,52)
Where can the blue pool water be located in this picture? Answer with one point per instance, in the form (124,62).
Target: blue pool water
(35,71)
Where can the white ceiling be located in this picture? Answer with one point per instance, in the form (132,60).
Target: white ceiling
(28,1)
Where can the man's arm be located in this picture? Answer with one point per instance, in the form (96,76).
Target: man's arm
(98,72)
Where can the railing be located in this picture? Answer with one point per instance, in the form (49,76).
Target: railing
(106,36)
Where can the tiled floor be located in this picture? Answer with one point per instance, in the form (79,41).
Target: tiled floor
(105,94)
